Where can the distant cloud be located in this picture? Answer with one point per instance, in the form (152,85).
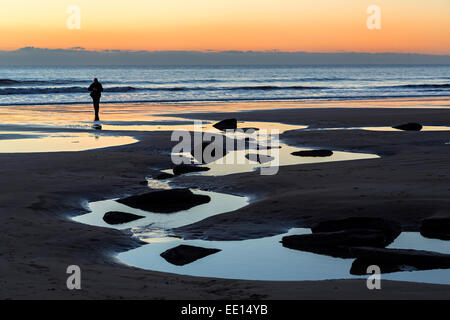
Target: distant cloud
(81,56)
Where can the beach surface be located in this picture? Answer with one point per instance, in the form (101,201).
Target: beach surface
(41,192)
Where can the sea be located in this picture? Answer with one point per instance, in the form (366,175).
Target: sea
(41,85)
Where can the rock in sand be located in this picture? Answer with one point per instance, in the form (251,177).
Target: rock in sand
(227,124)
(184,254)
(117,217)
(390,229)
(201,155)
(436,227)
(313,153)
(397,259)
(164,176)
(409,127)
(336,244)
(165,201)
(187,168)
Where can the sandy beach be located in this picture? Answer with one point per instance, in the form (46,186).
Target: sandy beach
(40,193)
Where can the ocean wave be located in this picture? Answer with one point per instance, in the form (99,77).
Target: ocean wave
(250,90)
(8,82)
(11,82)
(269,87)
(306,79)
(420,86)
(238,88)
(223,99)
(241,80)
(425,86)
(124,89)
(56,90)
(181,81)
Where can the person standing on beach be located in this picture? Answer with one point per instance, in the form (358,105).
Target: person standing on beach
(96,89)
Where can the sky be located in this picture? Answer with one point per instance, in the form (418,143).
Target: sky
(407,26)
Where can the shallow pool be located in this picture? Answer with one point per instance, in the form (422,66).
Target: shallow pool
(384,128)
(220,203)
(267,259)
(267,140)
(35,141)
(252,259)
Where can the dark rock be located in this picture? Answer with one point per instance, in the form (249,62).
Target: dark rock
(200,150)
(116,217)
(164,176)
(166,201)
(409,127)
(184,254)
(398,259)
(250,129)
(267,147)
(313,153)
(335,252)
(390,229)
(227,124)
(187,168)
(335,244)
(260,158)
(436,227)
(347,238)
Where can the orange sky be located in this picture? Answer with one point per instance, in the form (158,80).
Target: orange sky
(287,25)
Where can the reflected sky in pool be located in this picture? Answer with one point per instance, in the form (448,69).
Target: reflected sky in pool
(220,203)
(30,141)
(253,259)
(267,259)
(235,161)
(424,128)
(383,128)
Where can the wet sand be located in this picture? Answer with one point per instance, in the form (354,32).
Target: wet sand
(40,193)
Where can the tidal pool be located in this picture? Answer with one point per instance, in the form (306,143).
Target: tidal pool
(236,161)
(253,259)
(220,203)
(267,259)
(424,128)
(266,139)
(34,141)
(384,128)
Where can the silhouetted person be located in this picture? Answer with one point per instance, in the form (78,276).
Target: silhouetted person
(96,92)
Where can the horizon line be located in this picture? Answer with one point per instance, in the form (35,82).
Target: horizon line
(82,56)
(83,49)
